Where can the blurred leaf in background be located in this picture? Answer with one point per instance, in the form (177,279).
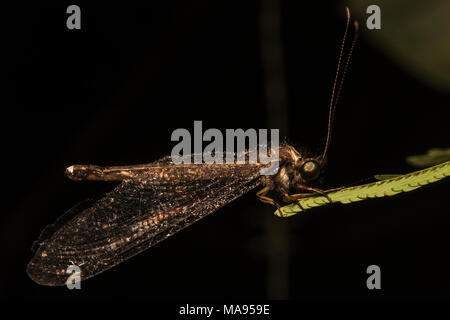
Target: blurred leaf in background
(432,157)
(415,34)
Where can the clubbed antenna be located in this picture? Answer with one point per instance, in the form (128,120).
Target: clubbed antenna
(335,94)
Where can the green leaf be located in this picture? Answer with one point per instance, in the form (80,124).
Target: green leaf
(432,157)
(379,189)
(386,176)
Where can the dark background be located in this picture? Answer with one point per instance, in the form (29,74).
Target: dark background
(113,92)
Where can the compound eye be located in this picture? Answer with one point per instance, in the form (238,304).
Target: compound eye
(310,170)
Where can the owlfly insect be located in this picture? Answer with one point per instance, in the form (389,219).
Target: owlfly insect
(156,200)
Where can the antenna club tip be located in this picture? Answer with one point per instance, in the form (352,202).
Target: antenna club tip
(356,24)
(69,170)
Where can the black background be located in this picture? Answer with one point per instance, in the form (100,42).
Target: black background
(112,93)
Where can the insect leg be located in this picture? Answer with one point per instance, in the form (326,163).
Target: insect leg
(314,190)
(261,194)
(294,197)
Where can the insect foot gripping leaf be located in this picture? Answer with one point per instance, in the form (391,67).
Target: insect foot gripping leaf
(379,189)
